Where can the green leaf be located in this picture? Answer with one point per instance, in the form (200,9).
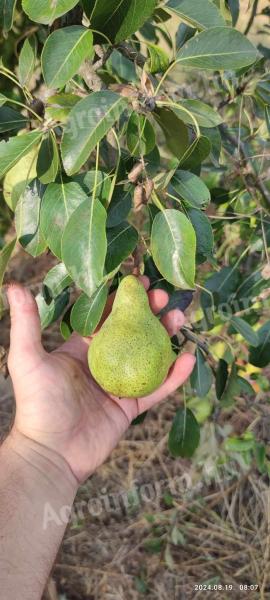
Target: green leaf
(201,379)
(240,444)
(89,121)
(245,330)
(96,180)
(60,105)
(196,153)
(232,388)
(59,202)
(48,159)
(202,15)
(260,356)
(121,67)
(122,240)
(118,19)
(119,207)
(221,377)
(49,313)
(175,131)
(11,119)
(27,60)
(141,137)
(204,234)
(27,219)
(84,245)
(87,312)
(205,115)
(65,325)
(184,436)
(158,61)
(7,9)
(64,52)
(5,255)
(260,456)
(218,49)
(56,281)
(13,150)
(173,246)
(220,288)
(46,11)
(191,189)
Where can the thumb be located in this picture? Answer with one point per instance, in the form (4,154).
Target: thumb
(25,334)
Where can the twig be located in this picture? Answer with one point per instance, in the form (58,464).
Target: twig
(256,181)
(252,16)
(192,337)
(129,52)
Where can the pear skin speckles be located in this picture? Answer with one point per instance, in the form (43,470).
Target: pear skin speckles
(131,354)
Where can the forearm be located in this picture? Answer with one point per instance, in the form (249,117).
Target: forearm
(32,479)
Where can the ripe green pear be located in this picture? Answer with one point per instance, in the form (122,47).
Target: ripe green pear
(131,354)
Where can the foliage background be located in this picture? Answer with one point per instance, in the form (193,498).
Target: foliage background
(218,532)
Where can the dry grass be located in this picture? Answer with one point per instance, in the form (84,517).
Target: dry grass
(185,523)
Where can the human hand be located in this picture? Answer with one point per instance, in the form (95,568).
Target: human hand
(59,406)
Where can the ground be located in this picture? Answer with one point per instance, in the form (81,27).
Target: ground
(147,525)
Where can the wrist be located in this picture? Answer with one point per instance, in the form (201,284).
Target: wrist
(42,463)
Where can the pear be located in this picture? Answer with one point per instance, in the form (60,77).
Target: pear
(131,354)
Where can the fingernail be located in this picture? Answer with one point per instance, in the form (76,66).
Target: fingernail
(17,294)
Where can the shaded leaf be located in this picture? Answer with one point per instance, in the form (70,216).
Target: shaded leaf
(118,19)
(158,60)
(89,121)
(245,330)
(59,202)
(120,207)
(204,234)
(184,437)
(87,312)
(56,281)
(202,15)
(7,9)
(205,115)
(13,150)
(260,356)
(84,245)
(196,153)
(122,240)
(219,48)
(191,189)
(11,119)
(201,379)
(173,246)
(221,377)
(141,137)
(46,11)
(59,106)
(27,219)
(232,388)
(27,60)
(48,159)
(49,313)
(64,52)
(174,129)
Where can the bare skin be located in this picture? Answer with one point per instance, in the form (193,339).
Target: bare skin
(65,428)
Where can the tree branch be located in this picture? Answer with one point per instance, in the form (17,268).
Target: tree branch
(252,17)
(256,181)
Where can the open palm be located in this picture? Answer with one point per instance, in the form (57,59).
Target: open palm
(58,403)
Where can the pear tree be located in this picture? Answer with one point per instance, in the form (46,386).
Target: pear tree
(133,140)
